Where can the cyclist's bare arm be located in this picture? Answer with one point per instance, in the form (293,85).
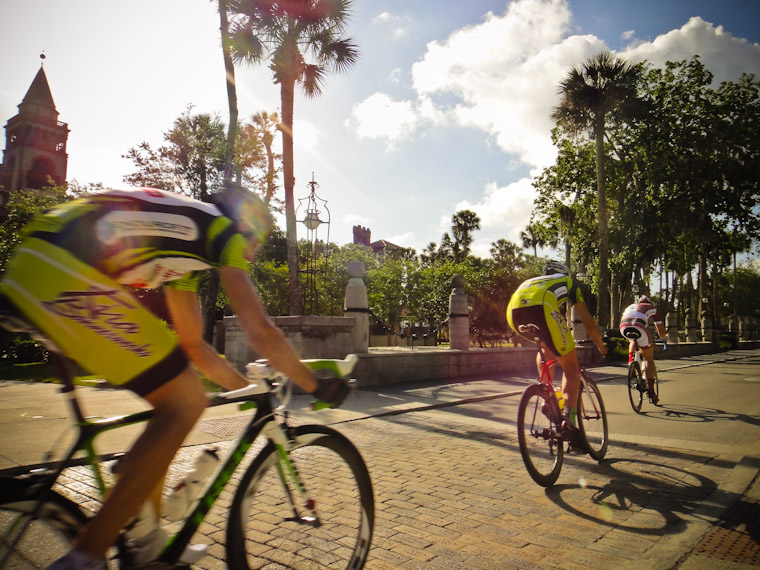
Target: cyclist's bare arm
(188,324)
(265,338)
(660,330)
(591,327)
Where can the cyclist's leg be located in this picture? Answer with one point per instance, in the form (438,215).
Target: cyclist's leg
(650,371)
(178,404)
(649,367)
(571,380)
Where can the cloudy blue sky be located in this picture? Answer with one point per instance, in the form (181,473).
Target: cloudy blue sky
(447,108)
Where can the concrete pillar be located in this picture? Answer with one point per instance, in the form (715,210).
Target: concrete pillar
(743,332)
(707,327)
(579,330)
(671,328)
(691,327)
(459,315)
(357,306)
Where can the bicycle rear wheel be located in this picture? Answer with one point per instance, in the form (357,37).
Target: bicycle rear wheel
(635,385)
(35,531)
(273,524)
(592,418)
(540,444)
(656,385)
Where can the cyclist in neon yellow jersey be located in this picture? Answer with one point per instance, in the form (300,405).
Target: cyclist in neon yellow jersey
(536,303)
(68,276)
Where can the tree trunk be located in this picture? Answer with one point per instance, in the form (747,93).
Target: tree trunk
(603,302)
(229,70)
(287,95)
(208,301)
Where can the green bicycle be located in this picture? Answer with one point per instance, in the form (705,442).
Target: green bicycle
(305,501)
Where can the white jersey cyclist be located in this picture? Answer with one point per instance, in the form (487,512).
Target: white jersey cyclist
(636,318)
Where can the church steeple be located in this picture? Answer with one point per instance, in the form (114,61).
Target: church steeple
(39,94)
(35,141)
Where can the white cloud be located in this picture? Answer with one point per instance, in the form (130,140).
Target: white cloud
(725,55)
(305,135)
(379,117)
(503,212)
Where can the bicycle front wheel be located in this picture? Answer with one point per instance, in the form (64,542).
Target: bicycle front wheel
(635,385)
(35,530)
(316,510)
(592,418)
(540,444)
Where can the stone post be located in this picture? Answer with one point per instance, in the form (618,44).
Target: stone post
(356,305)
(579,330)
(459,317)
(671,328)
(707,328)
(691,327)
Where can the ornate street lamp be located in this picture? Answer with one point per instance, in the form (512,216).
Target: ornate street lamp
(313,222)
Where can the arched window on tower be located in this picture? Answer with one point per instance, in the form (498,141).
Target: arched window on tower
(37,175)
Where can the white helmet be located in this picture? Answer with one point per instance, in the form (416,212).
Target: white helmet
(554,267)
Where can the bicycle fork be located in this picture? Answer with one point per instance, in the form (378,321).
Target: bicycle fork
(292,484)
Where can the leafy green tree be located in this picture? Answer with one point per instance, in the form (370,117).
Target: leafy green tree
(190,163)
(265,126)
(22,207)
(303,39)
(590,93)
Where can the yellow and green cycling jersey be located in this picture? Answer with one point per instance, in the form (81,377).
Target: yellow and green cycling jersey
(535,306)
(68,275)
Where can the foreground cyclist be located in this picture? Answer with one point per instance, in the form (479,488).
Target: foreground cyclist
(536,303)
(68,277)
(633,325)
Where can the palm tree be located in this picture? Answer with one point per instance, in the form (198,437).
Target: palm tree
(589,94)
(531,239)
(463,223)
(302,39)
(506,254)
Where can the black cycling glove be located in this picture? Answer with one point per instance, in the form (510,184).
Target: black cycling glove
(332,390)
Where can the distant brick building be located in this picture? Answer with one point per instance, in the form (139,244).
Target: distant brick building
(35,142)
(363,236)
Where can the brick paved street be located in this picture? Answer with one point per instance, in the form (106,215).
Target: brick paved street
(453,495)
(452,492)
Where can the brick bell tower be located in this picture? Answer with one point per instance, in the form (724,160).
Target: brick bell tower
(35,141)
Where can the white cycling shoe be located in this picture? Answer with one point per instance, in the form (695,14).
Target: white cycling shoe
(148,547)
